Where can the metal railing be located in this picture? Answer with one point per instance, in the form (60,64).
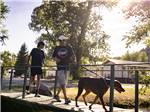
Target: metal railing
(136,67)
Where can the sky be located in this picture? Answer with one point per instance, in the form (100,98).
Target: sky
(19,17)
(17,21)
(116,25)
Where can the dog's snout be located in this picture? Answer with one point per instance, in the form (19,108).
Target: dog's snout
(119,87)
(123,90)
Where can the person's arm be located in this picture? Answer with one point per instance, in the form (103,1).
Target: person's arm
(28,61)
(44,56)
(54,56)
(56,59)
(29,57)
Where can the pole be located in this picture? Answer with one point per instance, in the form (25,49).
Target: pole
(10,81)
(111,98)
(1,75)
(136,91)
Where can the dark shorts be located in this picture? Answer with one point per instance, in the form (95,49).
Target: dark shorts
(36,71)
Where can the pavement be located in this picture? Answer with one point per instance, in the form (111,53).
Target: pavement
(52,102)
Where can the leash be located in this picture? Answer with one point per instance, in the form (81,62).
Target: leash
(107,81)
(92,72)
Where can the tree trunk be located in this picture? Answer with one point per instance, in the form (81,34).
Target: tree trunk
(78,45)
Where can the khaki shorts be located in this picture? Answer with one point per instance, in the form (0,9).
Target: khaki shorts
(62,77)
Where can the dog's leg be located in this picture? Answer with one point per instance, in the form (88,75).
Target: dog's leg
(84,95)
(102,101)
(79,93)
(90,107)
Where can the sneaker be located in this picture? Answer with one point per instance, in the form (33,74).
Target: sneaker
(28,92)
(67,101)
(37,95)
(57,98)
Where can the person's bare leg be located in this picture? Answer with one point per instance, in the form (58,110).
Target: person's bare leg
(64,92)
(38,86)
(32,80)
(58,92)
(57,95)
(67,101)
(38,82)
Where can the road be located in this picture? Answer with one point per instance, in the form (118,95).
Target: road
(19,82)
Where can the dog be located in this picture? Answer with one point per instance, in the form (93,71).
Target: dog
(98,86)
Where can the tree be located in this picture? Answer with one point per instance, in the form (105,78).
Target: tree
(135,56)
(75,20)
(144,75)
(141,10)
(7,61)
(21,62)
(3,11)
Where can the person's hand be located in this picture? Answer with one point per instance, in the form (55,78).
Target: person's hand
(28,64)
(57,60)
(72,60)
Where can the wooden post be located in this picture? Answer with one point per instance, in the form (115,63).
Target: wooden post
(111,98)
(136,91)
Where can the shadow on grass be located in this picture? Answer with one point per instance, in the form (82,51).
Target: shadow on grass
(16,105)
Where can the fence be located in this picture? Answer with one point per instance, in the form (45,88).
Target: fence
(133,68)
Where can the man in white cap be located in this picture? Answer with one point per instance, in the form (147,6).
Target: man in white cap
(63,55)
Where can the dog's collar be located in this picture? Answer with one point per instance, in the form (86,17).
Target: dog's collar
(107,81)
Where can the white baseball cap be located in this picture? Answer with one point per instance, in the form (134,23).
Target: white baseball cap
(62,37)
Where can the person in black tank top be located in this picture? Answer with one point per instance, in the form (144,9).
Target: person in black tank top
(37,60)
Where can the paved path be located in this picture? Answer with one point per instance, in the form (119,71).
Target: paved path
(52,102)
(20,81)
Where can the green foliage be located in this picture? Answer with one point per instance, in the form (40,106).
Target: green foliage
(6,58)
(8,61)
(3,11)
(144,76)
(75,20)
(135,56)
(145,80)
(21,62)
(140,32)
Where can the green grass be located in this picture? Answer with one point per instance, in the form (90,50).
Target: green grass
(124,100)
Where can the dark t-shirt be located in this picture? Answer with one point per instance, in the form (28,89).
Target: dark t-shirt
(64,53)
(37,57)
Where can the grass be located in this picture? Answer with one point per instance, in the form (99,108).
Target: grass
(123,100)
